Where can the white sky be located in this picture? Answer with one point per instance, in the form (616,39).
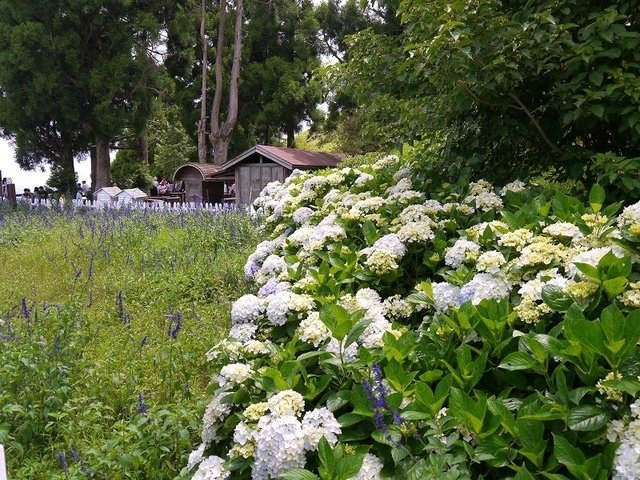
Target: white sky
(30,179)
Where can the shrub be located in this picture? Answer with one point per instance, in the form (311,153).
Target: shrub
(471,332)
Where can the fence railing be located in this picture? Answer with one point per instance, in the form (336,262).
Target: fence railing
(138,205)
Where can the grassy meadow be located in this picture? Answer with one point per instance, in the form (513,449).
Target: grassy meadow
(105,321)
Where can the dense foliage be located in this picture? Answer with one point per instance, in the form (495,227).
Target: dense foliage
(105,318)
(522,86)
(468,332)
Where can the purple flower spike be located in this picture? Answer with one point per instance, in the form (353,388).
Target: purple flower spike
(142,407)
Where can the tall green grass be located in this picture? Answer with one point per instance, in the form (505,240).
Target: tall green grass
(104,315)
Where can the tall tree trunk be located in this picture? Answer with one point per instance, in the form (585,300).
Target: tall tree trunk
(202,123)
(143,146)
(291,136)
(221,134)
(103,162)
(93,154)
(68,168)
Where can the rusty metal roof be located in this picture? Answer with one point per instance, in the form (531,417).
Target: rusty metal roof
(288,157)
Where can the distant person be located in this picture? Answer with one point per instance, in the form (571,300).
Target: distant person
(44,195)
(232,189)
(163,187)
(26,195)
(115,184)
(36,194)
(86,188)
(154,188)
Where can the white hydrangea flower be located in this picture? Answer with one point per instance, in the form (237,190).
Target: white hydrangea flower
(563,229)
(381,262)
(285,302)
(314,182)
(313,331)
(445,295)
(213,418)
(629,216)
(416,232)
(243,332)
(416,213)
(397,307)
(391,243)
(302,216)
(372,335)
(273,266)
(368,298)
(319,423)
(362,179)
(196,456)
(234,373)
(400,186)
(273,286)
(212,468)
(490,262)
(246,309)
(371,468)
(243,434)
(483,286)
(460,251)
(280,445)
(485,201)
(287,402)
(385,162)
(515,186)
(255,347)
(517,239)
(255,411)
(626,465)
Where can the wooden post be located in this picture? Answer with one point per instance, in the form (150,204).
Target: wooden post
(3,469)
(11,194)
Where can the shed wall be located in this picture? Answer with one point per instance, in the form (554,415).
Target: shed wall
(192,183)
(251,178)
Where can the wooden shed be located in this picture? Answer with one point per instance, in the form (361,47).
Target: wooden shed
(204,182)
(250,172)
(256,167)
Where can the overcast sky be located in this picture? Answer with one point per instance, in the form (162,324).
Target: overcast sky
(30,179)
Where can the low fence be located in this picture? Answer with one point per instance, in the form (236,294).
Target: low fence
(139,205)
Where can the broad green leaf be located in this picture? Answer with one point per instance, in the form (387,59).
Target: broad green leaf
(598,110)
(589,271)
(521,361)
(614,287)
(555,298)
(596,197)
(356,331)
(337,320)
(566,453)
(298,474)
(325,454)
(348,467)
(370,232)
(612,322)
(587,418)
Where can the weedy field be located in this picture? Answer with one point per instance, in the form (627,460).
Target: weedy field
(105,321)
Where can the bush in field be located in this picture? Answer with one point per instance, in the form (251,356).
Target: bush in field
(104,320)
(470,332)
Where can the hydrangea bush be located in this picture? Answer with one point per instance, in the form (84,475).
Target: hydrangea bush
(473,332)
